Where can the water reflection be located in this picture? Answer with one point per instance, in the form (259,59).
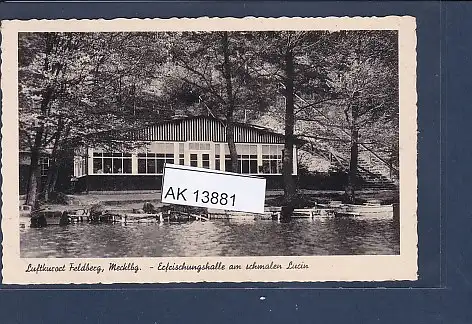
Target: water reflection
(214,238)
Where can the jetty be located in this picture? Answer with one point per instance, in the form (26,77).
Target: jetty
(175,214)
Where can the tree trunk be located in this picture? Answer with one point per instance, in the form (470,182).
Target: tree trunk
(34,176)
(229,104)
(51,179)
(287,169)
(353,163)
(53,167)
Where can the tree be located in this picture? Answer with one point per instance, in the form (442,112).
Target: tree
(367,86)
(295,62)
(214,65)
(49,65)
(75,84)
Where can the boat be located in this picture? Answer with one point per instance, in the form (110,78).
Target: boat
(366,211)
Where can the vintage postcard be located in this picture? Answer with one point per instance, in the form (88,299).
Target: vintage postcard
(209,150)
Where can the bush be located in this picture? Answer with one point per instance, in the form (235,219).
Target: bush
(59,198)
(149,208)
(96,210)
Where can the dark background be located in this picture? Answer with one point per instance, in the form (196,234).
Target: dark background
(443,292)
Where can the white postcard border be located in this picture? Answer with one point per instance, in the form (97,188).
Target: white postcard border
(321,268)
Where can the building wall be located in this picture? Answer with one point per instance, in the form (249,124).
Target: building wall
(196,141)
(200,128)
(143,182)
(254,158)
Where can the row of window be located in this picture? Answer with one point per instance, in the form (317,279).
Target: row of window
(111,163)
(153,163)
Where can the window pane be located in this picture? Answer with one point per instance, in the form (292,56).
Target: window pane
(253,149)
(273,166)
(206,161)
(217,164)
(242,148)
(228,164)
(97,165)
(280,148)
(193,160)
(160,166)
(141,166)
(245,166)
(266,149)
(181,147)
(151,166)
(117,165)
(265,167)
(126,165)
(97,153)
(252,166)
(107,165)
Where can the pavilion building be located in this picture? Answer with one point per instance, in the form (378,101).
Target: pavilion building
(195,141)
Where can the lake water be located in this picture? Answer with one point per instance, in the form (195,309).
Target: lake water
(330,236)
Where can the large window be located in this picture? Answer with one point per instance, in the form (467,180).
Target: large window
(114,163)
(152,162)
(206,160)
(193,160)
(247,158)
(271,159)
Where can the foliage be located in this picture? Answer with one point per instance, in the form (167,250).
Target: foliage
(72,85)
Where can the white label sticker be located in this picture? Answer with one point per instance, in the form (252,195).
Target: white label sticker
(191,186)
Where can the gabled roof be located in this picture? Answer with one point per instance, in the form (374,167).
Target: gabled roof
(194,128)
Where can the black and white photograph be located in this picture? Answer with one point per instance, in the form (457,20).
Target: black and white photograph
(314,112)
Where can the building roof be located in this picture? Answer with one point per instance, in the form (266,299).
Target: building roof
(195,128)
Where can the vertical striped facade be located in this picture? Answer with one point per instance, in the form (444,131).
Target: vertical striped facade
(202,129)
